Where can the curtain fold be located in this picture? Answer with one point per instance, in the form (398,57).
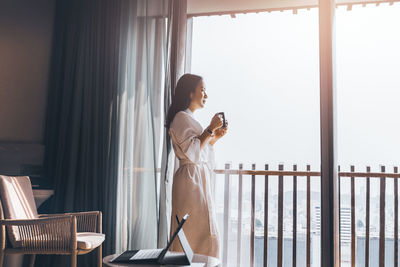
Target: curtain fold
(177,48)
(141,127)
(82,112)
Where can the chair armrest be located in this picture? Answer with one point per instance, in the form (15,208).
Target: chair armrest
(87,221)
(54,233)
(19,222)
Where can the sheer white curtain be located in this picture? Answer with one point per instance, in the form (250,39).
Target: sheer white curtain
(141,124)
(178,62)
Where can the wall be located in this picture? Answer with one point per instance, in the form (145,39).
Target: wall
(26,30)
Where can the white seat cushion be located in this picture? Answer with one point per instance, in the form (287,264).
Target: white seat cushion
(88,240)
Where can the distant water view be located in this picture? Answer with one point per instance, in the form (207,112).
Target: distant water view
(301,229)
(315,254)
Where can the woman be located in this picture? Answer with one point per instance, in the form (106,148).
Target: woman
(193,146)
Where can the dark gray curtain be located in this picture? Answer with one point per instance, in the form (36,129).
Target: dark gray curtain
(81,136)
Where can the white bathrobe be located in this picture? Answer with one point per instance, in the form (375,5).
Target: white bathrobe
(191,189)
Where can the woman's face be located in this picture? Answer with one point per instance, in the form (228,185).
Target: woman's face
(199,96)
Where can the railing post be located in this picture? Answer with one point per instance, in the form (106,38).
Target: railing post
(240,204)
(367,218)
(266,189)
(396,220)
(294,244)
(308,257)
(253,204)
(353,219)
(226,216)
(382,220)
(280,218)
(339,215)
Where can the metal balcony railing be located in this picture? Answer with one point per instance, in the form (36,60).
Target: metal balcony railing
(230,256)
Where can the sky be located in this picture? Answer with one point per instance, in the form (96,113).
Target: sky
(262,70)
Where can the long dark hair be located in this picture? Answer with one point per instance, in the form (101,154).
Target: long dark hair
(186,85)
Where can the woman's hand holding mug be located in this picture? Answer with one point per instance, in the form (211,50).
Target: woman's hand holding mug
(216,122)
(218,133)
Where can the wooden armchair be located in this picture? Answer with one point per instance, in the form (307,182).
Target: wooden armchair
(30,233)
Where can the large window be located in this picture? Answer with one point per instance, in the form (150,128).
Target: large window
(262,70)
(368,94)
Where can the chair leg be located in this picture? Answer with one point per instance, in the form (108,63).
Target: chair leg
(99,257)
(73,260)
(32,260)
(2,254)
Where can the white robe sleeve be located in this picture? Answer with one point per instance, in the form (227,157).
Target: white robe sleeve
(186,137)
